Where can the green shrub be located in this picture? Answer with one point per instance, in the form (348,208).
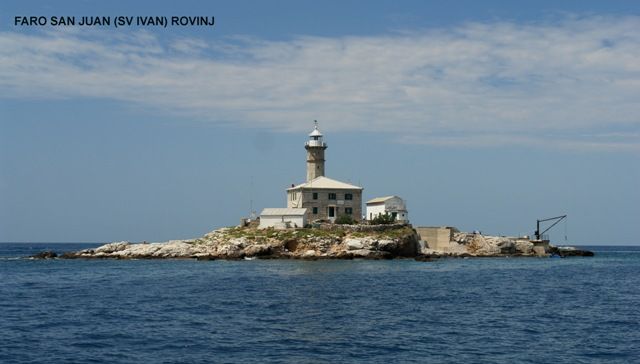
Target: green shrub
(383,219)
(344,220)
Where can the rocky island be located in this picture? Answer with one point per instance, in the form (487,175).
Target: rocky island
(328,241)
(335,227)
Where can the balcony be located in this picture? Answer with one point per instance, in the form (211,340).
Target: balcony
(315,143)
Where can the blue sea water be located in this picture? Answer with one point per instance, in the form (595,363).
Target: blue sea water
(502,310)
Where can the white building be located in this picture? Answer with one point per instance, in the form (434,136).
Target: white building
(392,205)
(282,218)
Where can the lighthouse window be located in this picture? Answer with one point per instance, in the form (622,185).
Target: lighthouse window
(315,195)
(332,196)
(348,196)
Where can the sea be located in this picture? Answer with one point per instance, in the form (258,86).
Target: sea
(483,310)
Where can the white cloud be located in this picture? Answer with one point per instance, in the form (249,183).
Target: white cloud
(572,83)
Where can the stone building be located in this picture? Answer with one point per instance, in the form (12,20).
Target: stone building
(323,197)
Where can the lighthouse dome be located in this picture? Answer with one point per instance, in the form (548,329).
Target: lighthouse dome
(315,132)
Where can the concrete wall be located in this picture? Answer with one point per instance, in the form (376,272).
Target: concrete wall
(305,200)
(436,238)
(360,228)
(274,220)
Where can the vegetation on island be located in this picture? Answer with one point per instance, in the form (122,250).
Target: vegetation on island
(345,220)
(383,219)
(337,232)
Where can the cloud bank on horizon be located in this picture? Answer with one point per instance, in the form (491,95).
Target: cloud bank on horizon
(572,83)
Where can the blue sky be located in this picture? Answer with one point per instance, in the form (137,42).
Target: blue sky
(482,115)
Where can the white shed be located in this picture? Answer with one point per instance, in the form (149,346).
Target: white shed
(283,217)
(392,205)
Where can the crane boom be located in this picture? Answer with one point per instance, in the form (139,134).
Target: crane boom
(557,219)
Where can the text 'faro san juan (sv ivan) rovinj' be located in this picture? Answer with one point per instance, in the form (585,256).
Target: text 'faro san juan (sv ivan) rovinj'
(115,21)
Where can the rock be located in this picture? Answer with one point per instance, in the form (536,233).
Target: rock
(343,255)
(354,244)
(238,242)
(387,245)
(257,250)
(577,253)
(113,247)
(507,246)
(309,254)
(570,252)
(406,246)
(291,244)
(45,255)
(524,247)
(177,249)
(229,251)
(369,243)
(361,253)
(480,246)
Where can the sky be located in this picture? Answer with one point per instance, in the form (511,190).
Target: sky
(484,115)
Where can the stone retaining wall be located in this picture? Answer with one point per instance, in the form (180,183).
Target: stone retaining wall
(360,227)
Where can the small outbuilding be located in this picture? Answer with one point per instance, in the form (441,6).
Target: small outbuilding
(392,205)
(283,217)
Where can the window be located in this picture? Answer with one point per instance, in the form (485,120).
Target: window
(315,210)
(332,196)
(348,196)
(348,210)
(315,195)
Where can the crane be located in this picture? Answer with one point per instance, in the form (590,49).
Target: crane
(556,220)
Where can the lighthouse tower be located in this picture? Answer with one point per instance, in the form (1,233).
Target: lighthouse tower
(315,154)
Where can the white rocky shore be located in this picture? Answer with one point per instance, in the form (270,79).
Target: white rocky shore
(236,243)
(472,244)
(332,242)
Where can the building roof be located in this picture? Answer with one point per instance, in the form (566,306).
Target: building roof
(325,182)
(380,199)
(315,132)
(282,212)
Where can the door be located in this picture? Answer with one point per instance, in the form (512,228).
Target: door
(332,212)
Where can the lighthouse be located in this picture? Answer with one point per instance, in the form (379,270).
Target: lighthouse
(323,198)
(315,154)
